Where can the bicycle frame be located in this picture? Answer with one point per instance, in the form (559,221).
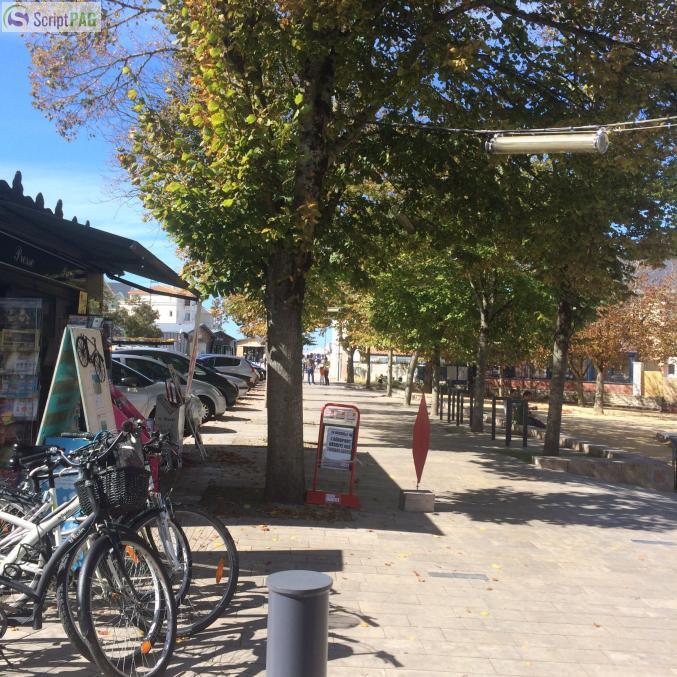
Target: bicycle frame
(39,594)
(33,532)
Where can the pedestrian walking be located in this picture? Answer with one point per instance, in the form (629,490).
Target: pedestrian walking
(325,365)
(310,370)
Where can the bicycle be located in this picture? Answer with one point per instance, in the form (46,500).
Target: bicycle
(197,551)
(127,612)
(93,357)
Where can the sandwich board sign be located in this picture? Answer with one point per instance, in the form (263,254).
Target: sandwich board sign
(336,450)
(79,376)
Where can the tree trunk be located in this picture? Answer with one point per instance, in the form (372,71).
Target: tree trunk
(477,414)
(560,352)
(413,363)
(428,378)
(350,365)
(580,392)
(577,366)
(436,381)
(285,476)
(599,390)
(389,385)
(368,378)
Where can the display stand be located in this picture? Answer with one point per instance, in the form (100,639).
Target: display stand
(20,334)
(336,450)
(80,378)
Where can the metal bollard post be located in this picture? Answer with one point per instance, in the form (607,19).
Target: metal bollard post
(448,405)
(508,421)
(471,402)
(493,417)
(453,406)
(460,406)
(298,621)
(525,422)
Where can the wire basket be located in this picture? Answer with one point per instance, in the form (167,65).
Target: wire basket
(118,490)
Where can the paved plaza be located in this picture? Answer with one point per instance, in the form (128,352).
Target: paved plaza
(518,572)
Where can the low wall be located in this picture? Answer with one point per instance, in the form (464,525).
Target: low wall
(615,394)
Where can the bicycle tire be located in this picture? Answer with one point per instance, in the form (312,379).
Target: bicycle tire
(204,602)
(67,603)
(134,656)
(82,350)
(99,367)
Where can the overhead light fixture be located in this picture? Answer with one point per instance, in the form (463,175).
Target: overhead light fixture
(536,144)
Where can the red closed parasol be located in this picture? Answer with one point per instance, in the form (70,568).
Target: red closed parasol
(421,441)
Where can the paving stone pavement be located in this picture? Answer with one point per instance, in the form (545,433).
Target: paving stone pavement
(518,572)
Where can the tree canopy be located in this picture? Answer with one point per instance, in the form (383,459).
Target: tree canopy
(263,134)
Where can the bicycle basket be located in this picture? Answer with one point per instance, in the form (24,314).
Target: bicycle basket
(119,490)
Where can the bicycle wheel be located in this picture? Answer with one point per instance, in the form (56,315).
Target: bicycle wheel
(67,603)
(82,350)
(99,367)
(127,610)
(169,542)
(211,562)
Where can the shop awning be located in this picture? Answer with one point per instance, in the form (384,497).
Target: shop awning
(91,248)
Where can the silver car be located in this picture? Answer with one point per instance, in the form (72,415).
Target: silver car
(212,400)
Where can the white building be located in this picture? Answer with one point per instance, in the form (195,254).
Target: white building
(176,315)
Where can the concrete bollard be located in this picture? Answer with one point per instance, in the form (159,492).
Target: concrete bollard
(298,618)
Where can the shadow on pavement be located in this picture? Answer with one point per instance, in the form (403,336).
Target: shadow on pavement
(264,562)
(620,509)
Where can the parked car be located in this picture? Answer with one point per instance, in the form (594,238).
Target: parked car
(260,370)
(157,371)
(181,363)
(143,392)
(230,364)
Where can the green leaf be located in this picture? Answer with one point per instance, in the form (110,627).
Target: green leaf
(218,118)
(173,187)
(298,99)
(228,202)
(132,94)
(250,119)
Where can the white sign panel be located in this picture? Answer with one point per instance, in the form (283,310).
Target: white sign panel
(340,415)
(94,389)
(337,447)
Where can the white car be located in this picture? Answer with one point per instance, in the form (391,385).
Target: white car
(142,388)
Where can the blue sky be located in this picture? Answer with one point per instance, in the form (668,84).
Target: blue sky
(82,172)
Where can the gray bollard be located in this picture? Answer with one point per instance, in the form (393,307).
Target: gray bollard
(298,617)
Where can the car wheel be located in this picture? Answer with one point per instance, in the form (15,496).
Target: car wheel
(208,408)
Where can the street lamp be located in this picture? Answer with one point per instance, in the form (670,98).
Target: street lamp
(534,144)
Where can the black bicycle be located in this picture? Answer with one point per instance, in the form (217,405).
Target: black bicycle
(87,355)
(127,611)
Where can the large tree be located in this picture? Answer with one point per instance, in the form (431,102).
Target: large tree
(256,118)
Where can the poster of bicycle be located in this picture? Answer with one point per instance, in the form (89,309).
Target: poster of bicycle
(80,375)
